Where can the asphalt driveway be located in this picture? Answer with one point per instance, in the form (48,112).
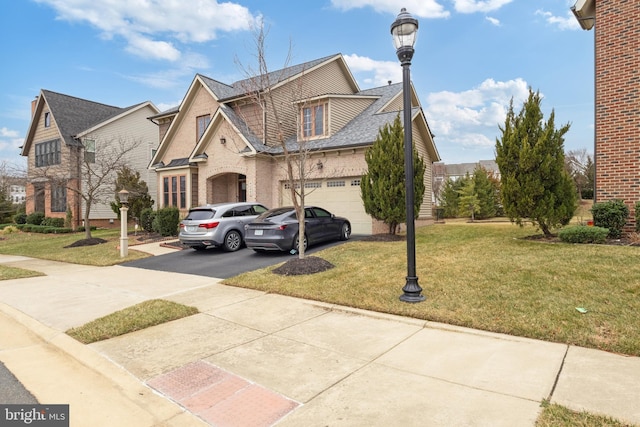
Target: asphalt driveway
(217,263)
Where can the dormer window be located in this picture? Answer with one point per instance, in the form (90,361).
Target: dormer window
(313,121)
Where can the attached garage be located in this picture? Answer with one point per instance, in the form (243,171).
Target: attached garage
(340,196)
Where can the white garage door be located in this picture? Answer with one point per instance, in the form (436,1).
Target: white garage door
(339,196)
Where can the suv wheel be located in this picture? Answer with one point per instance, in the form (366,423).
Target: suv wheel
(232,241)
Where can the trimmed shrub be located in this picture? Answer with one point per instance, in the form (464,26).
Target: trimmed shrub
(147,216)
(20,218)
(167,220)
(583,234)
(82,229)
(612,215)
(35,218)
(637,207)
(53,222)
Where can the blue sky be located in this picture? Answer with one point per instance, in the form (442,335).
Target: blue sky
(471,57)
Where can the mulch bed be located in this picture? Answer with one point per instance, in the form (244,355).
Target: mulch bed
(308,265)
(86,242)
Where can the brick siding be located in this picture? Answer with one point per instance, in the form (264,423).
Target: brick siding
(617,147)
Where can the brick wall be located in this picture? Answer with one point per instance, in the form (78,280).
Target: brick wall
(617,147)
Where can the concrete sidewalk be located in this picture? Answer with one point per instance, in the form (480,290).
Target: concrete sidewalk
(256,359)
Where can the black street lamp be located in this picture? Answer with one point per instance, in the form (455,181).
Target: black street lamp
(404,31)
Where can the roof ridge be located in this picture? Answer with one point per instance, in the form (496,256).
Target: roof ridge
(82,99)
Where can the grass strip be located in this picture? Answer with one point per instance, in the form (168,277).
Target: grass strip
(9,273)
(559,416)
(140,316)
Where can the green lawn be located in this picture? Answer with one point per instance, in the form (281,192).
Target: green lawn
(486,276)
(52,246)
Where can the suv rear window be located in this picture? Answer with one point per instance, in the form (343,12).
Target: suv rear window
(199,215)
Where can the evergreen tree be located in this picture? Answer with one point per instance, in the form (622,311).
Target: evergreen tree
(468,201)
(488,192)
(450,195)
(383,186)
(530,155)
(139,198)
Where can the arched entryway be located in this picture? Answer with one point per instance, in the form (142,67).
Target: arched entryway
(228,187)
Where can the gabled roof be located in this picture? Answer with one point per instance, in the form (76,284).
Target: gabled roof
(361,131)
(72,115)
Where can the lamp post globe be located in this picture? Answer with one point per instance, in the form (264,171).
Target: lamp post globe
(404,31)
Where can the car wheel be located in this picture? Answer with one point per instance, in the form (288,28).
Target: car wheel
(199,248)
(346,231)
(232,241)
(295,243)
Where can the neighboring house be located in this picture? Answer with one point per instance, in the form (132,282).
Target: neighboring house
(220,146)
(17,190)
(444,171)
(617,92)
(69,134)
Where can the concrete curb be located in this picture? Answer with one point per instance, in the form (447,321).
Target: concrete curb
(121,382)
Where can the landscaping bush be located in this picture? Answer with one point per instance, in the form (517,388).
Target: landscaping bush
(583,234)
(637,217)
(35,218)
(8,229)
(167,220)
(612,215)
(82,229)
(147,216)
(53,222)
(20,218)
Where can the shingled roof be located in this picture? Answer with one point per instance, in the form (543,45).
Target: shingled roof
(74,115)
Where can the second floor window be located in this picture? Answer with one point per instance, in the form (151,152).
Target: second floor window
(48,153)
(90,150)
(313,119)
(201,124)
(47,119)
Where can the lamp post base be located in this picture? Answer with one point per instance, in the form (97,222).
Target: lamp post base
(412,291)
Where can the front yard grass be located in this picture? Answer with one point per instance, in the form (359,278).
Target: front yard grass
(52,247)
(485,276)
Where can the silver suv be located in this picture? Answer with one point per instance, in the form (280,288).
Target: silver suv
(220,224)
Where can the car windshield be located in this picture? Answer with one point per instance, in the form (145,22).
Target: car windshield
(199,215)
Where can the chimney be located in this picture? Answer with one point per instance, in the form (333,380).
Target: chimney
(34,102)
(389,82)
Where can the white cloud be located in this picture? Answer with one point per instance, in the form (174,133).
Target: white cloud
(418,8)
(152,27)
(473,6)
(374,73)
(493,21)
(10,142)
(471,118)
(173,77)
(568,22)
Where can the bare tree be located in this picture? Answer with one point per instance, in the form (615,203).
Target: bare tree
(92,172)
(259,87)
(577,163)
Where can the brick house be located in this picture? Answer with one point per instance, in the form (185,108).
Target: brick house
(220,145)
(67,133)
(616,26)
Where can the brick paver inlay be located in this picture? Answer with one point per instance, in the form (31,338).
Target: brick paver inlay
(221,398)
